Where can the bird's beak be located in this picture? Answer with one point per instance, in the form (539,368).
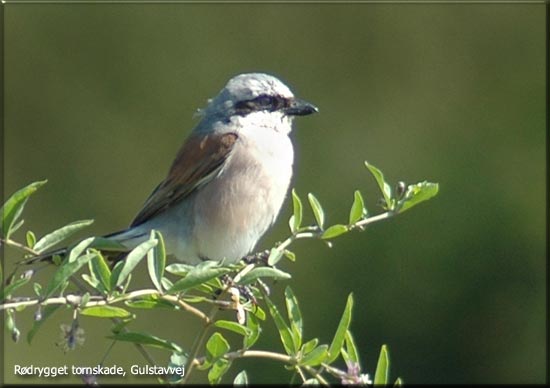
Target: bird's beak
(299,107)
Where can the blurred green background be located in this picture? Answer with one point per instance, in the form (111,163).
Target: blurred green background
(99,97)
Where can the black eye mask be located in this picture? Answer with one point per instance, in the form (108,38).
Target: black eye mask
(263,102)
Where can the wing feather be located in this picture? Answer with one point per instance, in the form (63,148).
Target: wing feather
(200,159)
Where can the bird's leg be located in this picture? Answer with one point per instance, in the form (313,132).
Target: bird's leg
(257,258)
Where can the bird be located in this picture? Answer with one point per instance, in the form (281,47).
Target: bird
(228,181)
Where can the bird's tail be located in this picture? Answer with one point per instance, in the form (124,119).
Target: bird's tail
(115,245)
(46,257)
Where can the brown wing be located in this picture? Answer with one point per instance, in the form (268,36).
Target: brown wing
(199,160)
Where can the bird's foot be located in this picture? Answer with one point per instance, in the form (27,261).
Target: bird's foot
(257,258)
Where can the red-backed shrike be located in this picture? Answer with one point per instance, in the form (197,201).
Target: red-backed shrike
(230,177)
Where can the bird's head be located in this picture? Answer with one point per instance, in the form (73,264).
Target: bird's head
(256,98)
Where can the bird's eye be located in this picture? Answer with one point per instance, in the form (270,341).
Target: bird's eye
(262,102)
(265,101)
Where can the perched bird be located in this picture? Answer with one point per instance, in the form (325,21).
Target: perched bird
(230,177)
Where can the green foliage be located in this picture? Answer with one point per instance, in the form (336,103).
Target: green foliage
(384,187)
(184,288)
(296,219)
(339,337)
(13,208)
(146,339)
(381,376)
(358,210)
(57,236)
(417,193)
(105,312)
(263,272)
(317,210)
(288,338)
(156,260)
(241,379)
(198,275)
(65,271)
(131,261)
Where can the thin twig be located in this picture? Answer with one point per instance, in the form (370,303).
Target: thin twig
(20,246)
(268,355)
(302,376)
(198,343)
(101,301)
(192,360)
(317,375)
(316,232)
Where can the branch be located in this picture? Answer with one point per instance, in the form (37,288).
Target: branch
(316,232)
(267,355)
(73,299)
(20,246)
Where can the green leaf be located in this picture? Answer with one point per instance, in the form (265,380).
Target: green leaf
(37,287)
(234,327)
(10,320)
(156,260)
(99,243)
(79,248)
(216,346)
(334,231)
(179,269)
(311,381)
(381,376)
(201,273)
(253,325)
(358,210)
(282,327)
(398,382)
(340,335)
(65,271)
(263,272)
(417,193)
(105,312)
(115,272)
(5,291)
(55,237)
(31,239)
(91,280)
(166,283)
(217,371)
(274,256)
(146,339)
(47,311)
(310,345)
(100,270)
(316,356)
(317,210)
(259,313)
(289,255)
(351,348)
(149,303)
(385,188)
(16,226)
(13,207)
(85,299)
(294,317)
(296,221)
(246,269)
(241,378)
(131,261)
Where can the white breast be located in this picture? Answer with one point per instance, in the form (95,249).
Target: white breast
(234,210)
